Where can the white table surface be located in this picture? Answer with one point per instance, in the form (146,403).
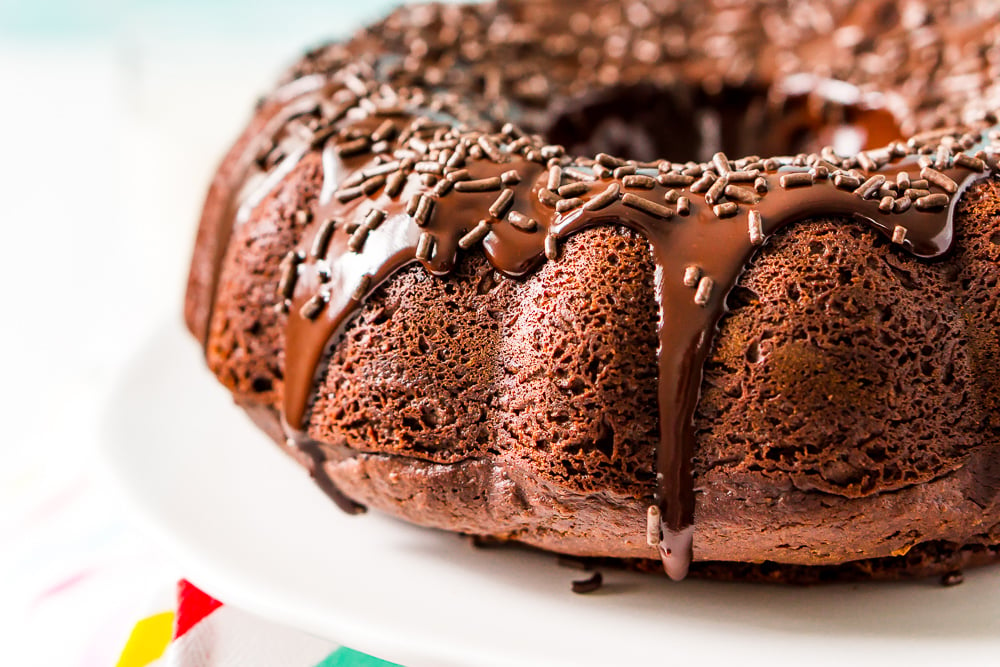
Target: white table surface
(114,115)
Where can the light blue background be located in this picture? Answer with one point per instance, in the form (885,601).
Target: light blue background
(281,21)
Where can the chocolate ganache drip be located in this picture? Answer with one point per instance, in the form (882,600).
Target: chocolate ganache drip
(411,176)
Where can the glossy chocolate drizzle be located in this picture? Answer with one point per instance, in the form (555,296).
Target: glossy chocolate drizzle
(703,222)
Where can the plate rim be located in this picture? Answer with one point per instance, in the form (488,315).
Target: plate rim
(260,599)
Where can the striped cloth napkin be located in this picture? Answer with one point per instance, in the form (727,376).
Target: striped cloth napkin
(204,632)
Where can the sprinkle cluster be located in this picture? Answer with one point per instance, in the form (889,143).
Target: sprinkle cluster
(942,59)
(399,144)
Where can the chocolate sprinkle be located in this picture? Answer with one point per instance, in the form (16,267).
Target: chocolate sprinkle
(573,189)
(457,158)
(675,180)
(374,218)
(796,180)
(425,247)
(321,241)
(683,205)
(646,206)
(600,171)
(502,204)
(313,307)
(381,170)
(704,292)
(743,176)
(548,197)
(425,205)
(564,205)
(870,188)
(412,204)
(898,234)
(939,179)
(443,187)
(623,171)
(289,274)
(551,248)
(725,210)
(477,234)
(372,185)
(714,194)
(428,167)
(702,184)
(755,224)
(742,195)
(638,181)
(522,222)
(555,178)
(609,161)
(846,182)
(510,177)
(579,175)
(349,194)
(394,183)
(721,163)
(603,199)
(358,238)
(490,149)
(354,147)
(479,185)
(931,202)
(385,131)
(653,512)
(691,275)
(971,163)
(363,286)
(953,578)
(866,162)
(584,586)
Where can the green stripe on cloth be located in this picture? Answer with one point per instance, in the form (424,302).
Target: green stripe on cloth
(345,657)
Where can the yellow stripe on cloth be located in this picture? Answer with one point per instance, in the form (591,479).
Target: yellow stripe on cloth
(148,641)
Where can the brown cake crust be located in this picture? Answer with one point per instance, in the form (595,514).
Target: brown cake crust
(848,410)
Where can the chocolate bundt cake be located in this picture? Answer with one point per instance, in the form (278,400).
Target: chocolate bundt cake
(528,270)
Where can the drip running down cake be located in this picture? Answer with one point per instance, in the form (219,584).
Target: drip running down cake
(705,286)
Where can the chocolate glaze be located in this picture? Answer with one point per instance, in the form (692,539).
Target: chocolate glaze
(694,223)
(244,185)
(720,248)
(316,458)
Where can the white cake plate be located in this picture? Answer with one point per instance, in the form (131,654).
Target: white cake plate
(246,524)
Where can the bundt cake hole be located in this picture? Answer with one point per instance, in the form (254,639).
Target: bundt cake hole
(648,121)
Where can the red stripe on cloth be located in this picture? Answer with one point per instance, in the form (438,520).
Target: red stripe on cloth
(192,605)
